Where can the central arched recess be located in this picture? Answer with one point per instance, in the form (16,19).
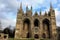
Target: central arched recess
(26,26)
(36,23)
(46,24)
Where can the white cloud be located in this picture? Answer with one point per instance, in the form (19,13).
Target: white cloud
(58,5)
(7,22)
(14,4)
(33,3)
(57,13)
(2,6)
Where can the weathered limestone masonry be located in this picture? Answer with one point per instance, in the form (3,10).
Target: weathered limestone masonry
(36,26)
(3,36)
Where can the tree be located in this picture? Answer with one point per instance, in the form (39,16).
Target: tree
(9,32)
(6,31)
(0,27)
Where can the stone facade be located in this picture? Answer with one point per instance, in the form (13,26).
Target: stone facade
(35,26)
(3,36)
(58,33)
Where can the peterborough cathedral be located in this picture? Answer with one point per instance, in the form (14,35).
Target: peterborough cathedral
(36,26)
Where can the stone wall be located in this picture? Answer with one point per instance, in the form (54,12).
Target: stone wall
(3,36)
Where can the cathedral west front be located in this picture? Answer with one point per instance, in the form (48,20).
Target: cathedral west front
(35,26)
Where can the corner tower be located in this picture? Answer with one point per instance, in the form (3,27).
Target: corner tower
(19,23)
(53,22)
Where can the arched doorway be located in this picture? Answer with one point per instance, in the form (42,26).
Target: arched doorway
(28,35)
(43,35)
(46,24)
(36,36)
(36,23)
(27,27)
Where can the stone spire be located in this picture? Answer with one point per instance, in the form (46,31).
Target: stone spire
(36,13)
(26,8)
(45,13)
(31,8)
(52,11)
(21,6)
(50,5)
(51,8)
(40,11)
(20,11)
(31,11)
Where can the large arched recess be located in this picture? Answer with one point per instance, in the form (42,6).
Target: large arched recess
(36,23)
(46,24)
(26,23)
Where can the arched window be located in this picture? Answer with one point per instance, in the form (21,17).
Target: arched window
(46,24)
(36,23)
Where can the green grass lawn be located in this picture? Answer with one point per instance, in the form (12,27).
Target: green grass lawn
(26,39)
(11,38)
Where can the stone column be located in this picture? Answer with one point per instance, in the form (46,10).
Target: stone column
(41,29)
(32,29)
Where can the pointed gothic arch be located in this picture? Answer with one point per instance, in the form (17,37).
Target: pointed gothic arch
(46,24)
(26,22)
(27,26)
(36,23)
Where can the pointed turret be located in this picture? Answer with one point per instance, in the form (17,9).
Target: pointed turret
(20,12)
(36,14)
(21,6)
(28,12)
(31,8)
(27,8)
(52,11)
(40,11)
(31,11)
(45,13)
(51,8)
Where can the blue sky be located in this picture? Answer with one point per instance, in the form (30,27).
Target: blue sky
(9,9)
